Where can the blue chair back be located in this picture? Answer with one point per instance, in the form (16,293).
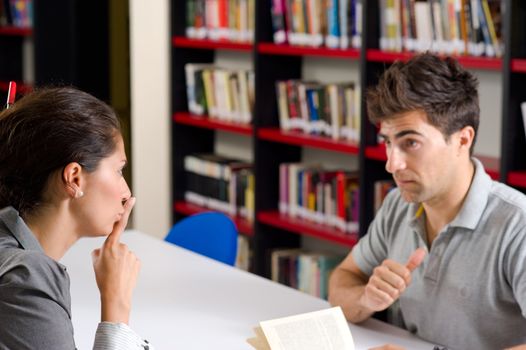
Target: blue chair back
(211,234)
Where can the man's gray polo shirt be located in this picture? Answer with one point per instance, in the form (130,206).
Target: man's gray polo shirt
(470,291)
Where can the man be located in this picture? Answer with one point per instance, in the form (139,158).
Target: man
(446,253)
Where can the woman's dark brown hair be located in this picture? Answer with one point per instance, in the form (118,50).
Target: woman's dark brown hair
(42,133)
(440,87)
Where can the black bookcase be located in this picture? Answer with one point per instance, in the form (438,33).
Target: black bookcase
(272,147)
(69,48)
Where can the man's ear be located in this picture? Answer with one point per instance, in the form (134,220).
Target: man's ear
(72,177)
(466,136)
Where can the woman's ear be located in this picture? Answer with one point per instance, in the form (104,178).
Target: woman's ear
(72,176)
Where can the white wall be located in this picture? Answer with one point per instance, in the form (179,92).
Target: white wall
(150,115)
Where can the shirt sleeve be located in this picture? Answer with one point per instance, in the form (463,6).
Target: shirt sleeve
(34,304)
(372,248)
(117,336)
(514,262)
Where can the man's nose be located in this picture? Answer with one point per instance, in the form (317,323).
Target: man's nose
(395,160)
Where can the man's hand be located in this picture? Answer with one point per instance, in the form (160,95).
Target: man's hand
(389,281)
(116,269)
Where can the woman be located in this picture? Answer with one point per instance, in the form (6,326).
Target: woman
(61,161)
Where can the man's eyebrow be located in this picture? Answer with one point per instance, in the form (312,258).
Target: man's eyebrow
(401,134)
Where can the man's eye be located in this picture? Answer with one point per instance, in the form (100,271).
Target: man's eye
(411,143)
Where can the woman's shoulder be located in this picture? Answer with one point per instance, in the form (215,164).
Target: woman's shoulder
(28,269)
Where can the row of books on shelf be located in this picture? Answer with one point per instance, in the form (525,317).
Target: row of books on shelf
(324,109)
(460,27)
(16,13)
(220,20)
(330,23)
(220,183)
(306,271)
(220,93)
(328,197)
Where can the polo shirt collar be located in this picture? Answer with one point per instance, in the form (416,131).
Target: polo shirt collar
(474,203)
(476,199)
(18,229)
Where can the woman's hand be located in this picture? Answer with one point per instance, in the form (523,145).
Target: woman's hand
(116,269)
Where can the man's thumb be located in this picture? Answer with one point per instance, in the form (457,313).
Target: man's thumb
(416,258)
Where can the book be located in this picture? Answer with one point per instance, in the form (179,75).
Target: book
(318,330)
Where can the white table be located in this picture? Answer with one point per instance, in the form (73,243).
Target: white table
(186,301)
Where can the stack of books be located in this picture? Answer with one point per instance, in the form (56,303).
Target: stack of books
(220,183)
(220,93)
(332,110)
(330,23)
(16,13)
(306,271)
(458,27)
(325,197)
(231,20)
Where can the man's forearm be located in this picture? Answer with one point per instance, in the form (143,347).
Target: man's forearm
(346,291)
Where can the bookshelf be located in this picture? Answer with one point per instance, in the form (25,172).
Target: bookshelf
(14,44)
(193,133)
(62,47)
(273,146)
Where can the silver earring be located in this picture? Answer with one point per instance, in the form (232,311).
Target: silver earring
(79,194)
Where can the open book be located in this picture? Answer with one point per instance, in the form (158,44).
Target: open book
(319,330)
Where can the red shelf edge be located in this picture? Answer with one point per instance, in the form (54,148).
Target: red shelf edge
(517,178)
(301,139)
(487,63)
(181,41)
(302,227)
(290,50)
(376,153)
(518,65)
(244,226)
(204,122)
(15,31)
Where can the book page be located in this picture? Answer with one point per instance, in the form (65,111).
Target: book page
(319,330)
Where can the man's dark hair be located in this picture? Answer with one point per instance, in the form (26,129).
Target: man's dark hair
(42,133)
(440,87)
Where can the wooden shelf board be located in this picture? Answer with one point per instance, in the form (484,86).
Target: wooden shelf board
(486,63)
(244,226)
(20,87)
(181,41)
(302,139)
(207,123)
(15,31)
(289,50)
(517,178)
(303,227)
(518,65)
